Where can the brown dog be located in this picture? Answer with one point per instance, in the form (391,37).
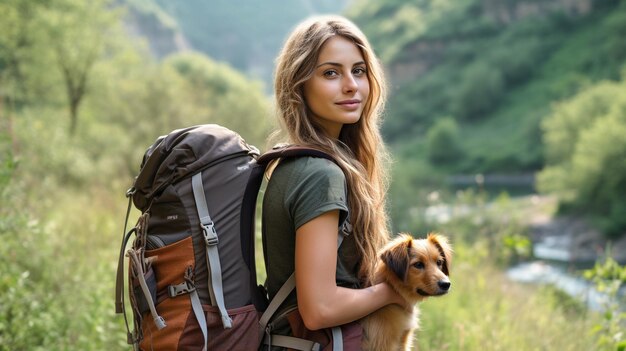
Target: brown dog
(416,269)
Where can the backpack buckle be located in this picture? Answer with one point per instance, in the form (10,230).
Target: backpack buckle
(180,289)
(210,235)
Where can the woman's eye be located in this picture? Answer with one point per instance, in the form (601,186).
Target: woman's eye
(359,71)
(418,265)
(330,73)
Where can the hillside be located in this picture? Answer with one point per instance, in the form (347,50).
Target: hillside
(494,68)
(245,35)
(146,20)
(474,84)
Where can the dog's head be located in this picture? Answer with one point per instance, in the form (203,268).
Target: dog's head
(418,268)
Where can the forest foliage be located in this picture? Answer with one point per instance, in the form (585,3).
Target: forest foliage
(507,87)
(79,104)
(495,67)
(80,101)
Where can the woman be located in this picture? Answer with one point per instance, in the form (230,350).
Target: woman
(330,92)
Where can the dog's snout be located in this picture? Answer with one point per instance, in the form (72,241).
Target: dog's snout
(443,285)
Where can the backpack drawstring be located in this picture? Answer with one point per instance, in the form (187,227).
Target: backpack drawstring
(141,265)
(139,269)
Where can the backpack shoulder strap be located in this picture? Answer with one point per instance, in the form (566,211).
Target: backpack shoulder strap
(247,232)
(248,206)
(292,151)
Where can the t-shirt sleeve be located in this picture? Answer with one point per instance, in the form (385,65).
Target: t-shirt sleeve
(319,187)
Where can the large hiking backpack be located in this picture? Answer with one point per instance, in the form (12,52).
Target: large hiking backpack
(192,276)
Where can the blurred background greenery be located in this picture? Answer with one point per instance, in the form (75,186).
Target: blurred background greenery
(506,120)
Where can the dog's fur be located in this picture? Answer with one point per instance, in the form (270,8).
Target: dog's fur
(416,269)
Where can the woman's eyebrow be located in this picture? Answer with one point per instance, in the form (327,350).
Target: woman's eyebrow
(337,64)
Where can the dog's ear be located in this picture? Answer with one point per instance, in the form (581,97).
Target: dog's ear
(441,242)
(396,258)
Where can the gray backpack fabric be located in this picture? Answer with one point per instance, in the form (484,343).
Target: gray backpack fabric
(191,268)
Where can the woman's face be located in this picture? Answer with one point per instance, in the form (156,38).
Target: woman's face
(339,87)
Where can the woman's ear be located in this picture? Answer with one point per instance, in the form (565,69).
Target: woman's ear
(441,242)
(396,256)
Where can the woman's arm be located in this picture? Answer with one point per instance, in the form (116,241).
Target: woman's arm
(321,302)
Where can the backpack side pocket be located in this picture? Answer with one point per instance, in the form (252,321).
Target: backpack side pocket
(170,264)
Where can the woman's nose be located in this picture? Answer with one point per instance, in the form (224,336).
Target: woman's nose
(349,84)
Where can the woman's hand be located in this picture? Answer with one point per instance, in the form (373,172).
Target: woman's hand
(396,298)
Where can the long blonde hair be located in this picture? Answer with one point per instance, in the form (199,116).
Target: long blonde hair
(360,149)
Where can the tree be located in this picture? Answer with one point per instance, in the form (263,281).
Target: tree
(480,89)
(78,32)
(21,47)
(21,53)
(586,150)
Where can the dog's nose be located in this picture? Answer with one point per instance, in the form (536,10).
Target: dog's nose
(443,285)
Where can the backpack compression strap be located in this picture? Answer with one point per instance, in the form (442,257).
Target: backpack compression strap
(213,260)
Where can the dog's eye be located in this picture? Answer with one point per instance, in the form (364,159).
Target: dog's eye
(439,262)
(418,265)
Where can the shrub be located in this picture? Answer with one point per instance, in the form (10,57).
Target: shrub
(608,277)
(443,141)
(479,92)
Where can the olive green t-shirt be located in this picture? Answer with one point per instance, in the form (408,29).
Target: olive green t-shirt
(299,190)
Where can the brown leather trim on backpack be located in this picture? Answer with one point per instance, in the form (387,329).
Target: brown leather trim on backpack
(243,335)
(170,264)
(352,333)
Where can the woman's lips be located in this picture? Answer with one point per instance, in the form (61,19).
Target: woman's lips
(352,104)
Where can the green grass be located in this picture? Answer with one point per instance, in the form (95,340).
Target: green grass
(57,288)
(484,311)
(58,276)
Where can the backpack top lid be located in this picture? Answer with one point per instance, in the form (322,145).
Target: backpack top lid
(181,153)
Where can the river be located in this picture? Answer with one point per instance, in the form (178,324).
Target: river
(562,248)
(559,262)
(572,283)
